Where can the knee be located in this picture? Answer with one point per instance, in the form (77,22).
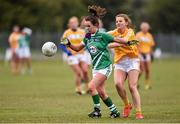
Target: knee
(147,71)
(133,87)
(91,87)
(119,85)
(101,93)
(78,74)
(85,72)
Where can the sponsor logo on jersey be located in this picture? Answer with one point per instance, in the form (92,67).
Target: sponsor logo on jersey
(145,39)
(93,49)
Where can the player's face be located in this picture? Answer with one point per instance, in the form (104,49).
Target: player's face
(90,27)
(16,29)
(144,27)
(73,24)
(121,23)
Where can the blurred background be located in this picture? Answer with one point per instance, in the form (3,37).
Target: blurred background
(48,19)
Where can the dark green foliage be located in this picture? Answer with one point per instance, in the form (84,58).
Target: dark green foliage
(52,15)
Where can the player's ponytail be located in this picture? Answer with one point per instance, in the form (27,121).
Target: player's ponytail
(96,12)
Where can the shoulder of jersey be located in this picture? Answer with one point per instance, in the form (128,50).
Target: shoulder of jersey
(81,30)
(130,30)
(138,33)
(112,31)
(67,30)
(149,34)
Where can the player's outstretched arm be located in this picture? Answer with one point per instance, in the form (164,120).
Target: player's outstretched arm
(73,47)
(120,40)
(114,45)
(125,41)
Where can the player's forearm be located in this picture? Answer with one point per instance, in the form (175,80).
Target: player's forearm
(66,42)
(113,45)
(120,40)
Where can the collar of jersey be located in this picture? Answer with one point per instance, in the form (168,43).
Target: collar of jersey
(144,33)
(95,33)
(123,34)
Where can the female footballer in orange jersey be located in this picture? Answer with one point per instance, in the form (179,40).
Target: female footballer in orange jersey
(77,60)
(13,42)
(126,65)
(145,49)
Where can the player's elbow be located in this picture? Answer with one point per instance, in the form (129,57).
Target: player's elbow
(110,46)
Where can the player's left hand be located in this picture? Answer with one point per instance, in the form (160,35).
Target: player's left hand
(132,42)
(65,41)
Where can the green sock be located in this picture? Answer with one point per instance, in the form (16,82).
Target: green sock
(96,101)
(110,105)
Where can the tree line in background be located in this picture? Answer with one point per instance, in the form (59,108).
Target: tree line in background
(52,15)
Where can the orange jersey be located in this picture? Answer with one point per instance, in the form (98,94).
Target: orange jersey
(146,42)
(75,37)
(123,51)
(13,40)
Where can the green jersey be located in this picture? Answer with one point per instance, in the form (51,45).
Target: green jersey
(97,47)
(24,41)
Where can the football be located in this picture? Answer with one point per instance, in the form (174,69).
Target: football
(49,49)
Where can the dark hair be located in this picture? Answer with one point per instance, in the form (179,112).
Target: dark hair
(96,13)
(93,20)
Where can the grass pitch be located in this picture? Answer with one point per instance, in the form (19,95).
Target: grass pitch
(48,95)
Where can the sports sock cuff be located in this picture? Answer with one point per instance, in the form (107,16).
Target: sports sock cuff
(96,99)
(108,102)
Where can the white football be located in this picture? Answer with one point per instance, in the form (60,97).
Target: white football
(49,49)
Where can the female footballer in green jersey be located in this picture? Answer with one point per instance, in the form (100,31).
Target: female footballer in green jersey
(97,42)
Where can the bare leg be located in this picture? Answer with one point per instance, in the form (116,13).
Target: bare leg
(119,79)
(132,81)
(84,68)
(142,68)
(78,75)
(147,74)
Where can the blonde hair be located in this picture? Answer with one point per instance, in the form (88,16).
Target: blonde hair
(127,19)
(74,18)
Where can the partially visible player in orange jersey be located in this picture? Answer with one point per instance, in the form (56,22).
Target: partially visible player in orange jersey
(77,60)
(83,27)
(145,49)
(13,42)
(126,65)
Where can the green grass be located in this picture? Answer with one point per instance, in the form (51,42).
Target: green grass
(48,95)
